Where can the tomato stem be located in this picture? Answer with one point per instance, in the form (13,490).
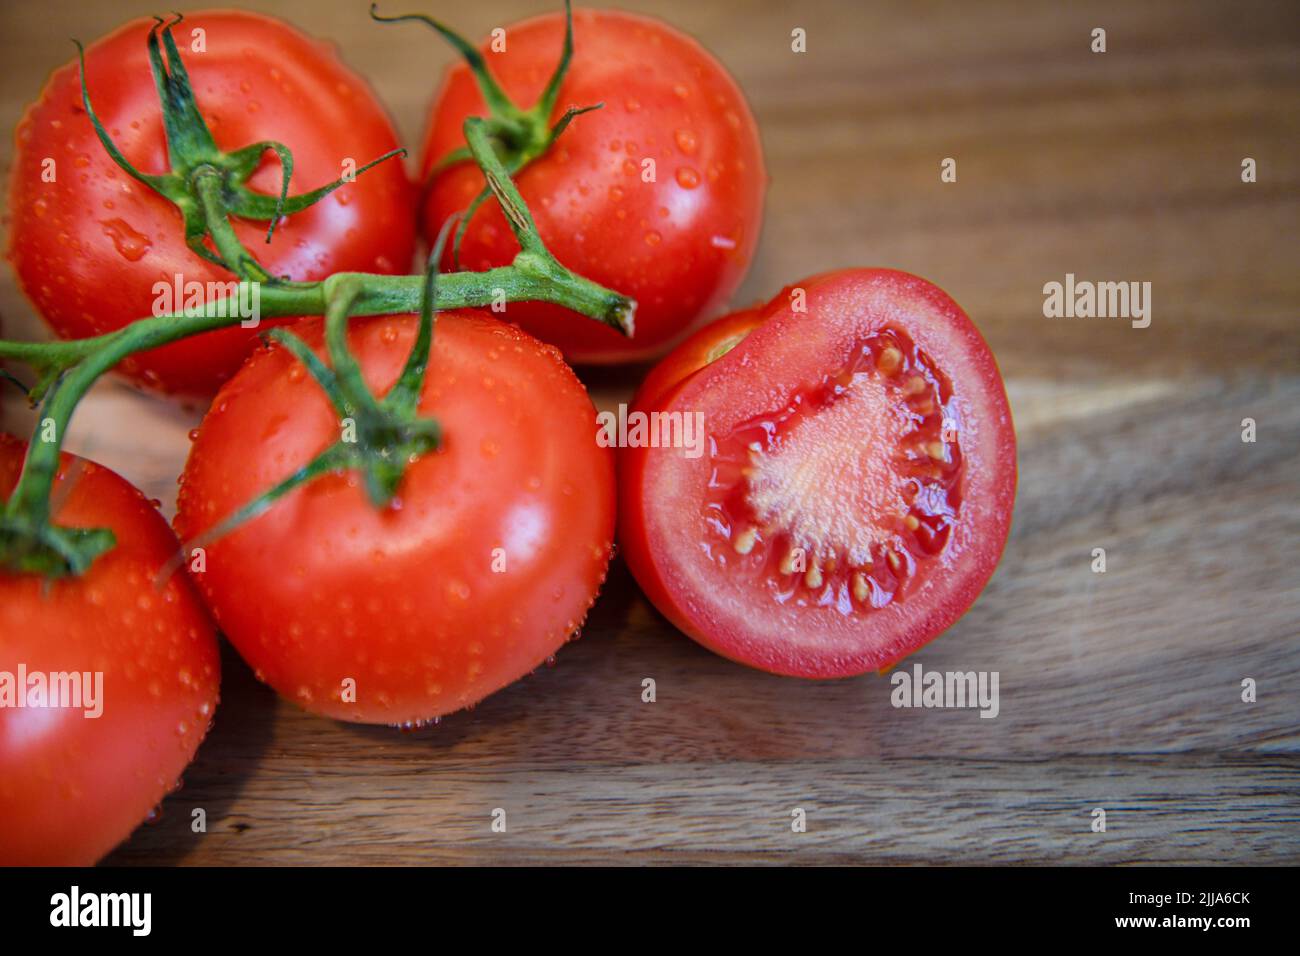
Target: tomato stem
(208,186)
(518,135)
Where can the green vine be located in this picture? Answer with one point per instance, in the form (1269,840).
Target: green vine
(209,188)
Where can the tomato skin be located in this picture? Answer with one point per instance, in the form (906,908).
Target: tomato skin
(405,601)
(72,787)
(698,351)
(702,348)
(89,247)
(681,245)
(659,532)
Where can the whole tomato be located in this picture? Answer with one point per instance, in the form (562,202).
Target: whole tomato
(74,783)
(658,195)
(481,568)
(89,246)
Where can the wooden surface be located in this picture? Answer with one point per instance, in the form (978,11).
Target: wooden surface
(1118,690)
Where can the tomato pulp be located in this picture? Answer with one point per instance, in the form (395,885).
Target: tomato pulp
(858,486)
(679,244)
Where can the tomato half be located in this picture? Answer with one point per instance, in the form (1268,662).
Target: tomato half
(89,247)
(74,786)
(483,567)
(679,245)
(857,485)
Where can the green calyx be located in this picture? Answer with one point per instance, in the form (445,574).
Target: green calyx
(50,550)
(207,185)
(381,437)
(518,136)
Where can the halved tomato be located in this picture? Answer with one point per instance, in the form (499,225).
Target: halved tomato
(854,492)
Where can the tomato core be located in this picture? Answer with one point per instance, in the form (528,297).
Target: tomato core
(844,496)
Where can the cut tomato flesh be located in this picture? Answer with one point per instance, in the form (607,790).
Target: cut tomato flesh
(841,497)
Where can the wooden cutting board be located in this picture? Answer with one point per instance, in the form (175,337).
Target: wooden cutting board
(1119,690)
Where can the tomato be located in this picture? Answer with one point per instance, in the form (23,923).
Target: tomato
(704,347)
(74,786)
(679,245)
(858,483)
(483,567)
(90,246)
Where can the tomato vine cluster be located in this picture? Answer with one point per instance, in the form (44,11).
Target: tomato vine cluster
(397,502)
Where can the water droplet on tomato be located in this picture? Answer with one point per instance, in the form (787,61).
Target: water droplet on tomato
(685,140)
(130,244)
(687,177)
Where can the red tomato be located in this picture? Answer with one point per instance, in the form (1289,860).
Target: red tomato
(89,247)
(857,486)
(483,567)
(71,786)
(679,245)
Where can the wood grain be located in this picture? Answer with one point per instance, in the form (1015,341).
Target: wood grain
(1118,690)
